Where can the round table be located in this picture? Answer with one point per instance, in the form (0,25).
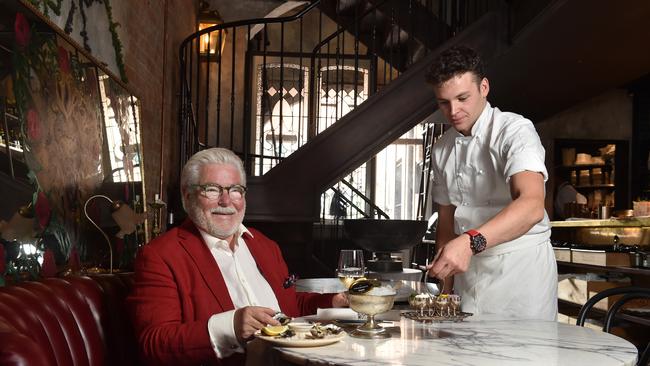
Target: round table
(478,340)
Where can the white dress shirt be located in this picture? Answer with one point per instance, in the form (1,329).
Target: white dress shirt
(246,286)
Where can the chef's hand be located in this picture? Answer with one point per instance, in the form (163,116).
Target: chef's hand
(250,319)
(452,258)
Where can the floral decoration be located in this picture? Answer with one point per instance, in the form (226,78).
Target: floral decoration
(48,269)
(21,29)
(42,210)
(33,125)
(64,60)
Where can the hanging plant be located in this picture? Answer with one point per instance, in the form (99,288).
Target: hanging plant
(117,44)
(46,5)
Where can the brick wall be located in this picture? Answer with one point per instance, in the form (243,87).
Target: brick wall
(143,35)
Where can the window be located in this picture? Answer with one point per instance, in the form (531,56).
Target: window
(281,114)
(399,167)
(338,96)
(122,133)
(282,126)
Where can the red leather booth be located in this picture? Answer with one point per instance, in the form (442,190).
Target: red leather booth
(76,320)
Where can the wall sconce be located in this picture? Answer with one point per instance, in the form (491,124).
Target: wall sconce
(124,216)
(212,43)
(20,227)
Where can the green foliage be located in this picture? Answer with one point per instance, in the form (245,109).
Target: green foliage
(117,44)
(46,5)
(55,5)
(33,63)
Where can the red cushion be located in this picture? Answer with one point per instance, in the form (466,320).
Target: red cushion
(67,321)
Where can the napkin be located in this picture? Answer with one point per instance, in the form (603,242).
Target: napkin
(336,314)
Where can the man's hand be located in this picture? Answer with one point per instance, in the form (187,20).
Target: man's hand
(452,258)
(250,319)
(340,300)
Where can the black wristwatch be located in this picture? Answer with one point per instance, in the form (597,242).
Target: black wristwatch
(476,241)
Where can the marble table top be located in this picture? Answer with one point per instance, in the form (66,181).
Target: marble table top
(478,340)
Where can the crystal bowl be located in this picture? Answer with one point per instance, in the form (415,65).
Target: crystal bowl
(371,304)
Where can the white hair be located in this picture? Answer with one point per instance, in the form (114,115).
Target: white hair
(217,155)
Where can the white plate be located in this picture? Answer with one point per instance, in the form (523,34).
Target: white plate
(301,340)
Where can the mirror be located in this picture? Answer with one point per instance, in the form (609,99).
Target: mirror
(70,130)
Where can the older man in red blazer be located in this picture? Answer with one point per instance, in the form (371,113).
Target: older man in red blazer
(202,289)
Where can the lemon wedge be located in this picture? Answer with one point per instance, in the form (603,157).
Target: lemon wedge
(274,330)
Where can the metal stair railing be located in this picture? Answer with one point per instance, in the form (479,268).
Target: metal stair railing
(238,97)
(221,104)
(371,209)
(432,133)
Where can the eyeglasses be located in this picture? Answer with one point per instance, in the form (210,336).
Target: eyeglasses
(213,191)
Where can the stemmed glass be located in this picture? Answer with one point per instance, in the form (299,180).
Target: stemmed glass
(442,305)
(420,301)
(351,266)
(455,304)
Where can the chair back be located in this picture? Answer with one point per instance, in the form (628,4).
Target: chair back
(629,293)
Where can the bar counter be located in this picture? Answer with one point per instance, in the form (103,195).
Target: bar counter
(613,222)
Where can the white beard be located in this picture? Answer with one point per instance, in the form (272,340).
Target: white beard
(200,219)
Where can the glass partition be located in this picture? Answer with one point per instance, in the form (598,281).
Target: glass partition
(70,131)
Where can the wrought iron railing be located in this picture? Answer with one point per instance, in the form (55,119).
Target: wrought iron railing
(269,85)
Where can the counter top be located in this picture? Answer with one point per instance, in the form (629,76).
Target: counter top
(624,222)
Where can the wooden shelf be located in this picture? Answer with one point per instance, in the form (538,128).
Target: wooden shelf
(597,313)
(585,166)
(597,186)
(627,270)
(607,175)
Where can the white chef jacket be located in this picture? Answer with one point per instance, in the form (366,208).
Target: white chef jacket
(472,173)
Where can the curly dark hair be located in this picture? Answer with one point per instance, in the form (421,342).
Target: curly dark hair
(455,61)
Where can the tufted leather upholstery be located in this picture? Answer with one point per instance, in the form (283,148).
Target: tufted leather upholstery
(67,321)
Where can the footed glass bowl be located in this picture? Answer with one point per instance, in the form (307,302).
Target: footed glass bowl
(370,304)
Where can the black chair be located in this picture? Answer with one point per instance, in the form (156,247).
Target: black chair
(629,293)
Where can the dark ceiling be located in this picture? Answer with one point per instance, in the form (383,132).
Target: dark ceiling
(572,51)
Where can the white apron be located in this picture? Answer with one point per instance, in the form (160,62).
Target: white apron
(517,284)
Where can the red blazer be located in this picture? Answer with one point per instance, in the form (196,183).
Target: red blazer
(178,286)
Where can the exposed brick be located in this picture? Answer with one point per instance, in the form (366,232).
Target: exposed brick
(141,32)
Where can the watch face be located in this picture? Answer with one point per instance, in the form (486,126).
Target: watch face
(478,243)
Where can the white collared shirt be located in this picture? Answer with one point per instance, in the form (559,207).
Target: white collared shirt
(473,172)
(246,286)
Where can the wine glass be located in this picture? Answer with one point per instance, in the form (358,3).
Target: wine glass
(351,266)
